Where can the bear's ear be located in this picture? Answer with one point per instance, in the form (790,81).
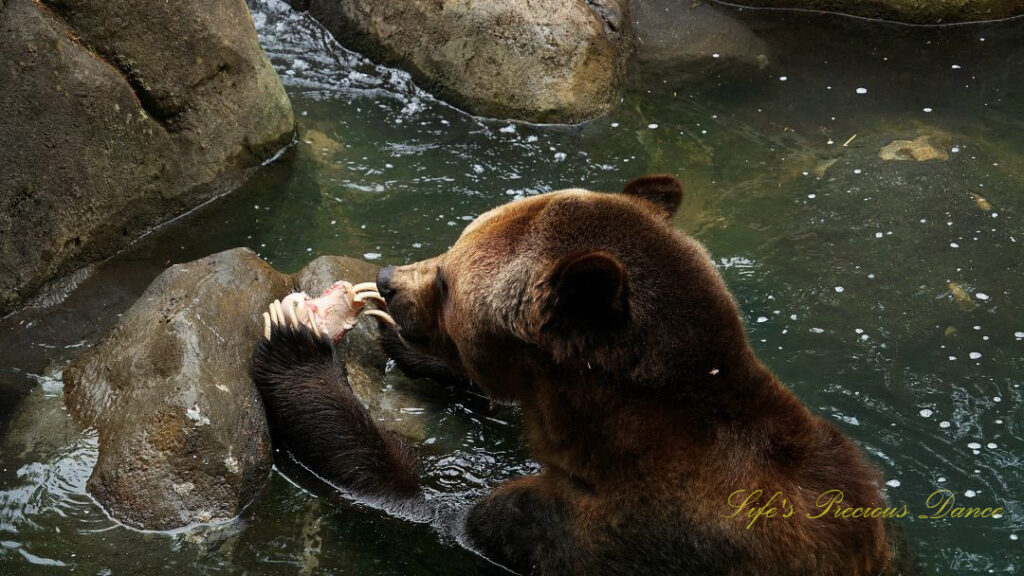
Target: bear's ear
(664,191)
(588,292)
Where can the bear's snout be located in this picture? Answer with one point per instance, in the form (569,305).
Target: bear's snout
(384,283)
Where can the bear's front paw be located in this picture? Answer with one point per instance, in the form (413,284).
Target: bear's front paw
(290,353)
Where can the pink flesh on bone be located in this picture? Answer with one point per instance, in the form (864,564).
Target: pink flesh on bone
(334,312)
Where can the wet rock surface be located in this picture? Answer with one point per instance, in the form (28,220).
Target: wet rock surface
(693,41)
(543,61)
(914,11)
(182,433)
(116,116)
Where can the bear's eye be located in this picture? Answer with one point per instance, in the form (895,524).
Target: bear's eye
(442,285)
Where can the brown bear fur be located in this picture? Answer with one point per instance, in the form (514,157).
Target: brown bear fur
(640,396)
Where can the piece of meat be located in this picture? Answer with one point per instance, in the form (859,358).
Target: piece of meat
(333,314)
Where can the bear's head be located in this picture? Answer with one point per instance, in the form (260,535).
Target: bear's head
(568,285)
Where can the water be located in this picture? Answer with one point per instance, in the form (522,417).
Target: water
(888,295)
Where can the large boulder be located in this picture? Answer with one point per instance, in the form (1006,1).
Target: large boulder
(693,41)
(182,432)
(913,11)
(116,115)
(542,61)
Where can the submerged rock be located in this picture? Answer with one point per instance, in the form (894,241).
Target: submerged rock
(116,115)
(182,433)
(542,61)
(693,41)
(921,149)
(914,11)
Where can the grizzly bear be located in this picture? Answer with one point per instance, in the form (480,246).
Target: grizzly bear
(667,447)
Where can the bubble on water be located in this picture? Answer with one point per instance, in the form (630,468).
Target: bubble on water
(997,399)
(783,78)
(981,296)
(944,424)
(794,317)
(862,90)
(954,245)
(894,483)
(941,479)
(858,330)
(812,196)
(975,355)
(840,289)
(817,330)
(970,493)
(955,66)
(509,129)
(857,171)
(879,234)
(1013,536)
(615,124)
(716,55)
(559,156)
(371,256)
(952,357)
(478,169)
(926,413)
(762,319)
(928,110)
(974,446)
(652,126)
(1018,335)
(991,446)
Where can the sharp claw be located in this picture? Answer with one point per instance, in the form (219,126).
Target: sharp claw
(383,316)
(279,311)
(273,314)
(266,326)
(289,311)
(374,296)
(364,286)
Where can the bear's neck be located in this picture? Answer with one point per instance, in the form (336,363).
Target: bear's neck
(597,430)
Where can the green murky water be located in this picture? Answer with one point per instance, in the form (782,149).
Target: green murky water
(888,295)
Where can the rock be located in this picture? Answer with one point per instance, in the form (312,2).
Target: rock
(921,149)
(913,11)
(694,41)
(182,433)
(541,61)
(116,115)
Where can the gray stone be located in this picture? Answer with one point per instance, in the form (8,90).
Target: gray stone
(542,61)
(693,42)
(116,115)
(913,11)
(182,434)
